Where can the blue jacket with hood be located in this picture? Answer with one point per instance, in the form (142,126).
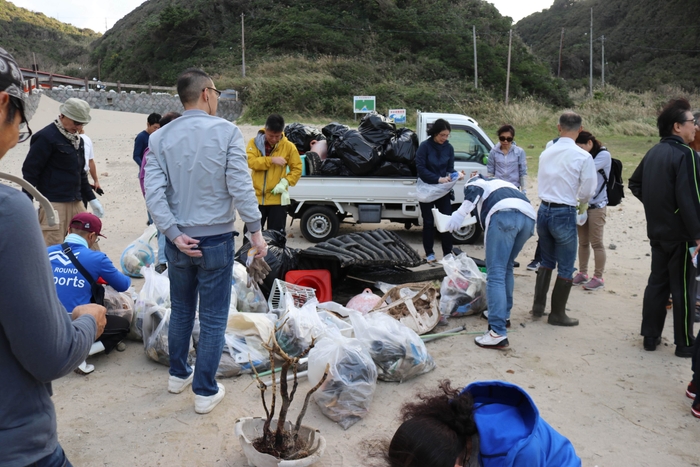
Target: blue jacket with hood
(511,432)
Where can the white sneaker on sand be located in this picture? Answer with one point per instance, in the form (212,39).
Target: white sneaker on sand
(205,404)
(491,340)
(177,385)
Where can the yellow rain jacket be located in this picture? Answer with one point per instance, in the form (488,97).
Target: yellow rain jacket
(267,175)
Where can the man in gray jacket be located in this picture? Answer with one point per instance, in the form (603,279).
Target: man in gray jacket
(196,175)
(38,341)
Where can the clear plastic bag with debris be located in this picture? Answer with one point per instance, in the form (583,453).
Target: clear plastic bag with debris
(120,303)
(346,394)
(245,335)
(155,336)
(248,299)
(155,291)
(397,350)
(299,326)
(142,252)
(463,290)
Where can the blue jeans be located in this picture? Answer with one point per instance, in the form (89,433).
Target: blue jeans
(556,228)
(55,459)
(209,278)
(507,233)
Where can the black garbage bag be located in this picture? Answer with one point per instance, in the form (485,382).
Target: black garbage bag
(302,135)
(402,148)
(334,131)
(392,169)
(358,155)
(376,129)
(330,167)
(279,257)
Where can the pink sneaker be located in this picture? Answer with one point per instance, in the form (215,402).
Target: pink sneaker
(580,278)
(594,284)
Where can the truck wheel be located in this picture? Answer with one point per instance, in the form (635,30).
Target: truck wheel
(467,235)
(319,223)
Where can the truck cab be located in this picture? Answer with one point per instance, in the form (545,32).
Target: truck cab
(321,203)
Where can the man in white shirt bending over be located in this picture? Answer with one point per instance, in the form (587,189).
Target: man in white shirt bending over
(566,182)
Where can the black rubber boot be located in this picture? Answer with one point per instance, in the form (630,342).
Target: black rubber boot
(544,276)
(560,295)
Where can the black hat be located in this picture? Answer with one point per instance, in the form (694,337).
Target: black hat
(10,76)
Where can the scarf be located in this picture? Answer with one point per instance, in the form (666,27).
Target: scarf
(73,138)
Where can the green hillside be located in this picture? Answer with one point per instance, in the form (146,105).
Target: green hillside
(320,49)
(648,43)
(57,46)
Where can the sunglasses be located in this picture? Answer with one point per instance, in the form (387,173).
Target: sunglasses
(77,123)
(24,131)
(504,138)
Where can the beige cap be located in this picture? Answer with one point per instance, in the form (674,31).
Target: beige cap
(76,109)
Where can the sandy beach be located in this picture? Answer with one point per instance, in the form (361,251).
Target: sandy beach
(618,404)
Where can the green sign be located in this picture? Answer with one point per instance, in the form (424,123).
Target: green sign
(364,104)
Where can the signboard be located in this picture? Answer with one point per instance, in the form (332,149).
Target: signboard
(398,115)
(364,104)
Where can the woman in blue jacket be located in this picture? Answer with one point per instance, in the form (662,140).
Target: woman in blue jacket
(435,161)
(488,424)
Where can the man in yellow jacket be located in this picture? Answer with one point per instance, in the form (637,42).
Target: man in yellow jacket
(269,155)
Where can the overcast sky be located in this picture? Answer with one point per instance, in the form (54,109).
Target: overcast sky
(100,15)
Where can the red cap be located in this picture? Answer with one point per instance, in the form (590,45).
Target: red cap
(87,222)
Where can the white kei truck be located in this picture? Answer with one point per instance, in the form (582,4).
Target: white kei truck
(322,202)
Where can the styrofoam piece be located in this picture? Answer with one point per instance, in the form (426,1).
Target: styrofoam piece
(441,220)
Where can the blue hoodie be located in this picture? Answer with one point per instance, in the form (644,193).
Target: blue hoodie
(511,432)
(73,289)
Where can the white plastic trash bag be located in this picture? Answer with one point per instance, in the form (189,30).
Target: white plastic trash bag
(347,393)
(155,292)
(141,252)
(156,342)
(119,303)
(397,350)
(248,299)
(299,327)
(427,192)
(245,335)
(463,290)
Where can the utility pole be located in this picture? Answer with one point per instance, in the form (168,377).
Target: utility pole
(106,24)
(510,41)
(243,41)
(561,46)
(590,79)
(476,73)
(602,61)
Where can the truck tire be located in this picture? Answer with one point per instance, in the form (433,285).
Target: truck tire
(319,223)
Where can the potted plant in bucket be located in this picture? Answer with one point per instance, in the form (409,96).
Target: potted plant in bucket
(270,442)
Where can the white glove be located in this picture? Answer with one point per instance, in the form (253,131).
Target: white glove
(456,220)
(97,208)
(281,187)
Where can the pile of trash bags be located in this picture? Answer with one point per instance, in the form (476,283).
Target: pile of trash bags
(377,148)
(463,290)
(140,253)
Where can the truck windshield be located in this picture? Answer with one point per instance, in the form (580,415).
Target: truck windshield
(468,146)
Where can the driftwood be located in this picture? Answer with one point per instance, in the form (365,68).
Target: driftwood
(282,443)
(419,313)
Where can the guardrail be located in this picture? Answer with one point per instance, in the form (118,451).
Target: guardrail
(50,80)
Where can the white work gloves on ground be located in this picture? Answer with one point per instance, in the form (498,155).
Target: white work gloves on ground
(281,189)
(97,208)
(458,217)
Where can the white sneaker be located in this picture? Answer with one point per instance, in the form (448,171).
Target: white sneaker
(177,385)
(205,404)
(491,340)
(84,369)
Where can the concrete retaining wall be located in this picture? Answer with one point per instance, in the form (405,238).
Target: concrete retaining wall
(143,102)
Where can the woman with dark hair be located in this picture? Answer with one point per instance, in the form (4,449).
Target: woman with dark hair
(435,161)
(590,234)
(507,160)
(489,423)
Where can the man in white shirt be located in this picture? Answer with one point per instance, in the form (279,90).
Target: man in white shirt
(566,182)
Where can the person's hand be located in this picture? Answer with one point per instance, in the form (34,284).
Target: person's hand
(258,242)
(582,207)
(97,187)
(697,249)
(97,208)
(188,245)
(96,311)
(444,180)
(281,187)
(278,161)
(461,175)
(455,222)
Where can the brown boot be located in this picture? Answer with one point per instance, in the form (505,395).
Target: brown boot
(544,276)
(560,295)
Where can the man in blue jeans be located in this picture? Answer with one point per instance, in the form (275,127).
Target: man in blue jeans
(508,219)
(196,175)
(566,182)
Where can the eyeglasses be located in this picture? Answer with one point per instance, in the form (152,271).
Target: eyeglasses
(506,138)
(77,123)
(218,93)
(694,120)
(24,135)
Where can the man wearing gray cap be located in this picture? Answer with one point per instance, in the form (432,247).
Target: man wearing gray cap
(55,166)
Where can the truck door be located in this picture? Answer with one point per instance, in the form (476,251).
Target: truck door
(471,149)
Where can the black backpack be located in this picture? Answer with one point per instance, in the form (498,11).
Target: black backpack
(613,185)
